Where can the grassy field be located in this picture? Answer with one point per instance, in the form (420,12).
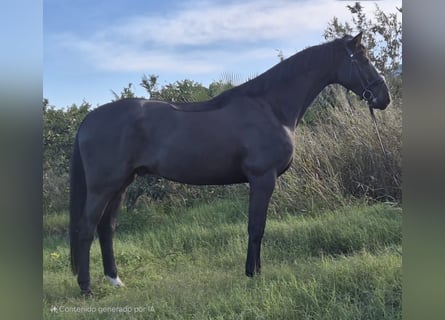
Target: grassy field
(189,264)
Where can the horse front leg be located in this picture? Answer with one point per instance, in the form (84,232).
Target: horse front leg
(261,188)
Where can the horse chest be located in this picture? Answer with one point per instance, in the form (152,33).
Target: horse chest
(271,150)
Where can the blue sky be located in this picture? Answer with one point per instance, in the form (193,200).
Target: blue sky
(93,47)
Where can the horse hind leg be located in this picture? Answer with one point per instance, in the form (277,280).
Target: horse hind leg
(94,209)
(105,230)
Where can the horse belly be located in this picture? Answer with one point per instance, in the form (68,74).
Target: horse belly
(207,178)
(206,167)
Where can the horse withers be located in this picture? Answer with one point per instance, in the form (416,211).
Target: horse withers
(243,135)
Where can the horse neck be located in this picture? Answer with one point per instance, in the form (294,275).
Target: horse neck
(291,86)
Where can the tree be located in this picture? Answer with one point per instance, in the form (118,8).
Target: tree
(381,35)
(150,84)
(179,91)
(59,129)
(126,93)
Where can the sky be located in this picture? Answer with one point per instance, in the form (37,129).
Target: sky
(93,47)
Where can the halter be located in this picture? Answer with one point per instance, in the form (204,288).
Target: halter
(367,94)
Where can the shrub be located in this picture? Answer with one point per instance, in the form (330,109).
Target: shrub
(59,129)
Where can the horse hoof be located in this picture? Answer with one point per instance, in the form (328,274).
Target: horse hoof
(115,282)
(86,293)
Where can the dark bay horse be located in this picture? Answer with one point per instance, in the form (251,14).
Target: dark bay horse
(243,135)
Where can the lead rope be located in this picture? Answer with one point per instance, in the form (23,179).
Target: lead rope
(374,120)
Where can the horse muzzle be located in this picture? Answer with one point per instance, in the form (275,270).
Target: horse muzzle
(377,95)
(379,102)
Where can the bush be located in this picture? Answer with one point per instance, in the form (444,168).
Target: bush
(338,158)
(55,190)
(59,129)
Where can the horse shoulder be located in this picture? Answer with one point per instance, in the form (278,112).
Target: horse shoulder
(269,146)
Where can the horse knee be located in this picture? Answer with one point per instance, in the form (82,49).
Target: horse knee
(256,233)
(86,234)
(105,229)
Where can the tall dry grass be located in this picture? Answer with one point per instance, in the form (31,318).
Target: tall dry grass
(338,157)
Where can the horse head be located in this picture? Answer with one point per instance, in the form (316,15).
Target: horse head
(357,73)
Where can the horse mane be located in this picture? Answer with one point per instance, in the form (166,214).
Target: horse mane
(299,63)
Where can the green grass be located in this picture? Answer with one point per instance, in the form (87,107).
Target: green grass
(189,264)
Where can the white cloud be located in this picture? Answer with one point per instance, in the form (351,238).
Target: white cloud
(201,23)
(190,40)
(120,56)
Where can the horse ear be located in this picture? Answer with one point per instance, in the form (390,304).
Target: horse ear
(354,43)
(357,40)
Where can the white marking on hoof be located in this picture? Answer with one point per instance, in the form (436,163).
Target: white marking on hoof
(115,282)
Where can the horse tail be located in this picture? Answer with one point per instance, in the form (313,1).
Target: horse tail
(77,202)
